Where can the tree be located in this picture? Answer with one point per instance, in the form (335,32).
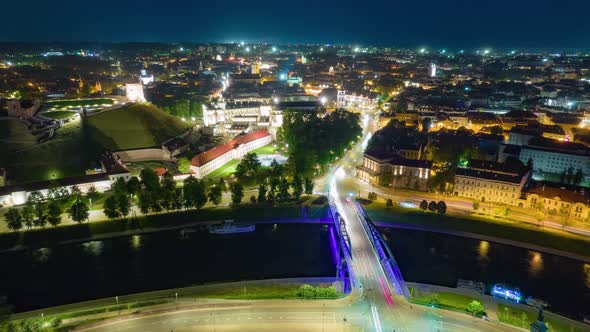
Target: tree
(222,185)
(372,196)
(297,187)
(432,206)
(144,201)
(124,205)
(194,193)
(54,212)
(389,203)
(441,207)
(215,195)
(248,166)
(529,164)
(150,180)
(184,165)
(75,192)
(276,169)
(475,205)
(110,207)
(569,176)
(177,199)
(133,186)
(14,220)
(578,176)
(274,186)
(283,190)
(28,214)
(79,211)
(426,124)
(424,205)
(475,308)
(40,216)
(308,184)
(564,215)
(237,193)
(562,176)
(167,190)
(35,197)
(496,130)
(92,194)
(168,183)
(120,187)
(262,193)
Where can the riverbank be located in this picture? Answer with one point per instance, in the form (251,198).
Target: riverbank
(520,244)
(159,222)
(82,313)
(497,309)
(502,231)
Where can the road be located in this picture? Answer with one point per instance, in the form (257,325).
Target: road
(372,305)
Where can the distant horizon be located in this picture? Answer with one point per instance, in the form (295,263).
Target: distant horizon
(432,48)
(452,24)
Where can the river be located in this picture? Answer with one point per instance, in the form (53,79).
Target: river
(98,269)
(440,259)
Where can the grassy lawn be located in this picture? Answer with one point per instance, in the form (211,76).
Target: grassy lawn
(59,115)
(441,299)
(267,149)
(134,126)
(225,170)
(14,129)
(69,153)
(515,231)
(523,318)
(256,292)
(80,102)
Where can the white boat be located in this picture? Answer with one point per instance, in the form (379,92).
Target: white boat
(229,227)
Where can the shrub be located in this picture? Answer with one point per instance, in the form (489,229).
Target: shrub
(424,205)
(475,308)
(432,206)
(441,207)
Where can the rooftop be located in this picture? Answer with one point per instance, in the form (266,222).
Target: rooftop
(218,151)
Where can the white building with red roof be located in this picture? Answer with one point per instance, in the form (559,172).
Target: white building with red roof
(210,160)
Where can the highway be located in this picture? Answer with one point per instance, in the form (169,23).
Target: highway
(372,305)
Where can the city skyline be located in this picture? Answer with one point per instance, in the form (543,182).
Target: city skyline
(452,24)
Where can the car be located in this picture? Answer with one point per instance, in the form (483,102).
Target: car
(408,204)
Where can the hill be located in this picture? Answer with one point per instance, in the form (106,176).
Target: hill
(133,126)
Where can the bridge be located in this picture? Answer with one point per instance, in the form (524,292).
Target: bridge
(377,299)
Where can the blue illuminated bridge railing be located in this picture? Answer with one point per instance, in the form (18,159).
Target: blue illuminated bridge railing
(386,258)
(344,271)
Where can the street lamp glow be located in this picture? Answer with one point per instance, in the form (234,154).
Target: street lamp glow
(274,49)
(323,100)
(241,43)
(356,49)
(248,49)
(422,50)
(486,52)
(193,119)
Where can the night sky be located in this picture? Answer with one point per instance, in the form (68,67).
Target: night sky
(436,23)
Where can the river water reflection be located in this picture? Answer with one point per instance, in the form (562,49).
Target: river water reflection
(97,269)
(442,259)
